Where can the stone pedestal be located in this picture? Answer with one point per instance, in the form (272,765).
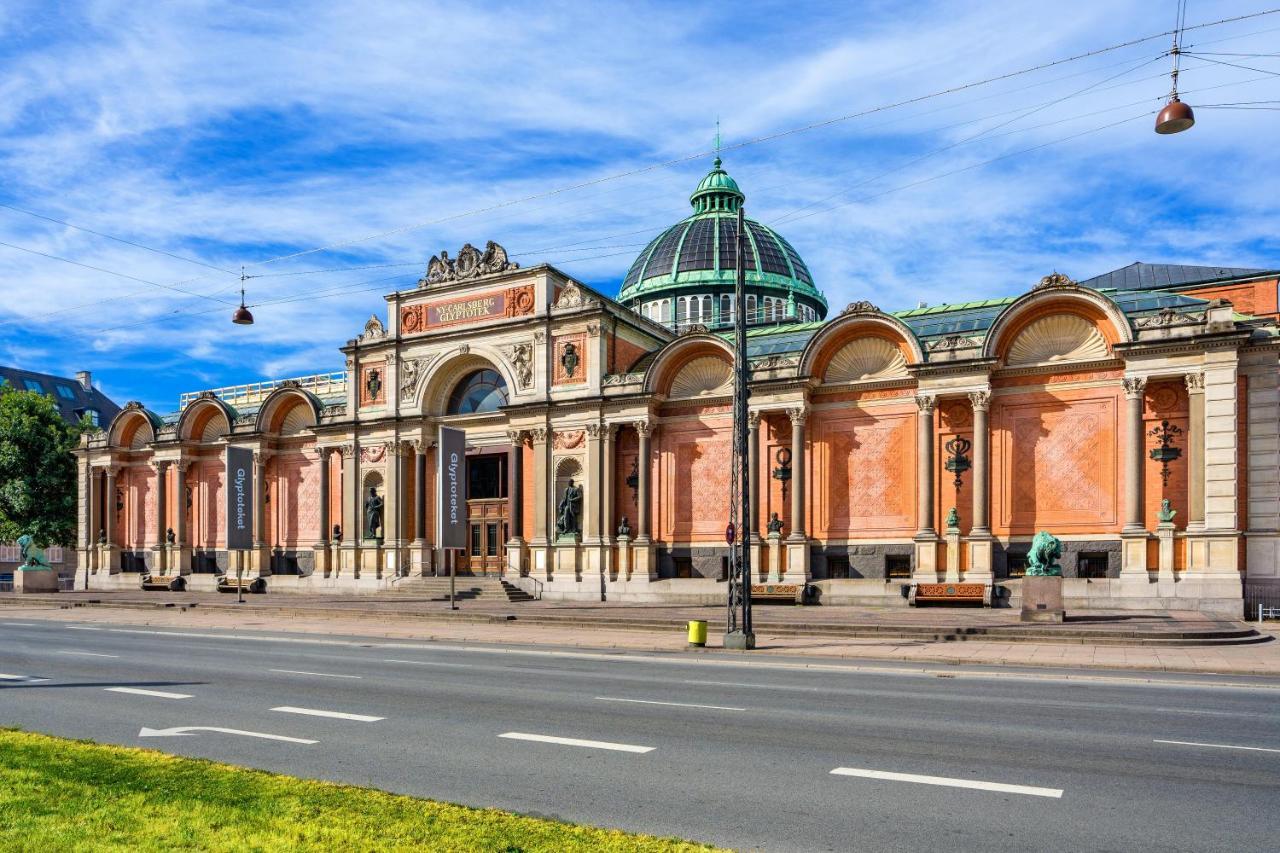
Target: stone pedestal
(926,569)
(953,555)
(177,560)
(565,560)
(516,557)
(1133,555)
(797,570)
(35,580)
(979,569)
(1042,599)
(624,558)
(774,565)
(108,562)
(1164,533)
(643,557)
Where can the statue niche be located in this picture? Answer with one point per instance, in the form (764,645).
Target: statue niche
(373,514)
(569,512)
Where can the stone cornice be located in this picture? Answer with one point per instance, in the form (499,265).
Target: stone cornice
(1215,341)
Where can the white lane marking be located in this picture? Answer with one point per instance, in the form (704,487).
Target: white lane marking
(672,704)
(138,691)
(754,686)
(337,715)
(88,654)
(29,679)
(947,782)
(1218,745)
(321,674)
(1199,682)
(431,663)
(81,628)
(182,731)
(573,741)
(19,624)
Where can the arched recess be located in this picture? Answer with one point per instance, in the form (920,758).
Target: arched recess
(568,468)
(690,367)
(868,347)
(288,411)
(133,428)
(1054,325)
(451,370)
(206,420)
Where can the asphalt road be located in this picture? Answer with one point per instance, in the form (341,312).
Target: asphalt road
(771,755)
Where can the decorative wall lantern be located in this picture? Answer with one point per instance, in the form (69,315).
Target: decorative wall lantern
(957,461)
(1166,434)
(633,479)
(783,472)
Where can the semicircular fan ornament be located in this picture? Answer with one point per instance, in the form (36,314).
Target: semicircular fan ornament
(866,359)
(1061,337)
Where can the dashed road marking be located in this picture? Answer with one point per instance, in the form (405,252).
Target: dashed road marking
(671,704)
(138,691)
(320,674)
(337,715)
(87,654)
(573,741)
(948,782)
(1218,745)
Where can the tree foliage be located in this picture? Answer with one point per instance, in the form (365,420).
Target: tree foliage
(37,470)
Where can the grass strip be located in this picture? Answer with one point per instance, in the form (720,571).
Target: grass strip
(58,794)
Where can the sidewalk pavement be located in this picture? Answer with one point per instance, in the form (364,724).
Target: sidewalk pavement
(1262,659)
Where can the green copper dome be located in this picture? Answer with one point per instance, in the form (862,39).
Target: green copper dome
(695,258)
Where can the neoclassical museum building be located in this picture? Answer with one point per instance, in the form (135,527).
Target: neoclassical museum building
(1134,415)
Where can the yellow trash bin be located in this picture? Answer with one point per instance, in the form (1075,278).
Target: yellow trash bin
(698,632)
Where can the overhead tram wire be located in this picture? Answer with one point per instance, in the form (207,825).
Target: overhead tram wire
(746,143)
(759,140)
(115,238)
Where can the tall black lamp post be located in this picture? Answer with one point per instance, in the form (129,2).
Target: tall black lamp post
(738,631)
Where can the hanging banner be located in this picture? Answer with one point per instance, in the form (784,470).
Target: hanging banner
(239,499)
(451,496)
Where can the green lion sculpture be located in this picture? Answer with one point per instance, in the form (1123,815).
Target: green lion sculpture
(1042,558)
(32,557)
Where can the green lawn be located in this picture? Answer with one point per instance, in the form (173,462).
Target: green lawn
(58,794)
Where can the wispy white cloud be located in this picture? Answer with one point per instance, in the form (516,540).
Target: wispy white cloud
(235,133)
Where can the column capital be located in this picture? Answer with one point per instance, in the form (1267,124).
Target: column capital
(517,437)
(926,403)
(539,435)
(1194,382)
(260,457)
(596,430)
(753,420)
(1134,386)
(980,400)
(645,428)
(798,414)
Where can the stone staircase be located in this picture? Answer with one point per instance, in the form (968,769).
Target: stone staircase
(468,589)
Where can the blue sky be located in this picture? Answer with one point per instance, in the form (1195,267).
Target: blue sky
(234,134)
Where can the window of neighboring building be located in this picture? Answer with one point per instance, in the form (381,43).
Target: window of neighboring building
(897,565)
(65,392)
(33,385)
(1092,564)
(478,392)
(1017,564)
(93,416)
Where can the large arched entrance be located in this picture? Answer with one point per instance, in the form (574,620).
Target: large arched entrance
(484,391)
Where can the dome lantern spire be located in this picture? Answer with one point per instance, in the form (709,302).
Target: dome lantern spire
(717,192)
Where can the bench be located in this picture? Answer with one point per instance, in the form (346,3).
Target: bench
(791,593)
(950,593)
(251,585)
(167,583)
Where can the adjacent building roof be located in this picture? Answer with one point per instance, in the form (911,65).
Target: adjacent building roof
(73,397)
(1140,276)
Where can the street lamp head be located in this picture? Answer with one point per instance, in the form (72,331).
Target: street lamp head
(1175,117)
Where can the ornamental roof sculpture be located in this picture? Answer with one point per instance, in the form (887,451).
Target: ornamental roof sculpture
(470,263)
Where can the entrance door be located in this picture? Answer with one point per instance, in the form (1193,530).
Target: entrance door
(487,515)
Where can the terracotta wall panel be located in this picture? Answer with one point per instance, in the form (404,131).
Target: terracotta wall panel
(1055,462)
(692,494)
(862,465)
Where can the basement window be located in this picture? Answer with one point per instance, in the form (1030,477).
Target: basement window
(1092,564)
(1017,564)
(838,567)
(897,566)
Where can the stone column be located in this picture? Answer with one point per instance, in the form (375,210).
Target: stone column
(538,545)
(753,456)
(180,495)
(798,417)
(1134,391)
(1133,558)
(1195,451)
(979,541)
(592,475)
(608,474)
(924,465)
(926,538)
(322,535)
(162,525)
(420,496)
(515,491)
(110,560)
(93,515)
(260,498)
(643,430)
(644,568)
